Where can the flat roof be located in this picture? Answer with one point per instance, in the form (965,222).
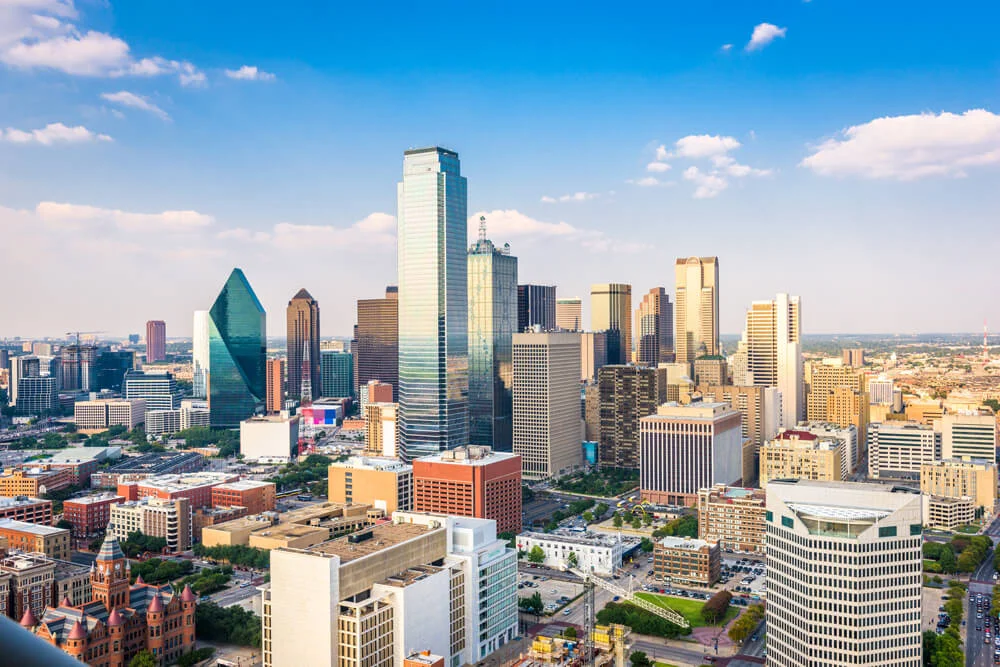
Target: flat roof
(153,463)
(591,539)
(183,481)
(244,485)
(18,501)
(383,537)
(378,463)
(95,498)
(474,455)
(36,528)
(689,543)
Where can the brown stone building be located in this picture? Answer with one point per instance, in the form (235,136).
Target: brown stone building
(33,537)
(256,496)
(32,510)
(687,561)
(90,514)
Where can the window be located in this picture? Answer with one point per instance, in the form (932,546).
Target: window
(769,515)
(787,522)
(916,529)
(887,531)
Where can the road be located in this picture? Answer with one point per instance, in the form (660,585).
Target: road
(977,652)
(658,651)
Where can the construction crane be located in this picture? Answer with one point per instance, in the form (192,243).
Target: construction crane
(78,333)
(79,366)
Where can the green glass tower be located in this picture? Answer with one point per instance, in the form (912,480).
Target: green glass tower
(237,350)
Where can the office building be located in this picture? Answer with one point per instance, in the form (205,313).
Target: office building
(21,368)
(29,510)
(547,403)
(33,480)
(433,304)
(271,437)
(600,553)
(237,351)
(684,448)
(954,478)
(802,455)
(654,329)
(158,390)
(593,354)
(848,406)
(200,354)
(383,483)
(733,517)
(33,581)
(337,373)
(374,392)
(854,357)
(968,436)
(493,313)
(156,341)
(626,395)
(111,367)
(696,320)
(90,515)
(303,348)
(79,367)
(34,537)
(859,547)
(687,561)
(154,517)
(36,396)
(592,415)
(470,481)
(611,312)
(898,450)
(376,342)
(254,495)
(381,429)
(195,487)
(569,314)
(847,434)
(946,513)
(773,338)
(101,414)
(274,401)
(296,529)
(880,390)
(166,422)
(536,307)
(712,371)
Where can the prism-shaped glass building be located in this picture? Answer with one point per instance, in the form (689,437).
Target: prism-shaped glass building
(237,348)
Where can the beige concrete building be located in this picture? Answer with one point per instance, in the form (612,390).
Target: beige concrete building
(947,513)
(381,429)
(696,321)
(611,312)
(53,542)
(569,313)
(592,413)
(593,354)
(758,406)
(954,478)
(384,483)
(968,436)
(686,561)
(155,517)
(101,414)
(733,517)
(925,411)
(838,394)
(801,455)
(774,352)
(306,526)
(711,371)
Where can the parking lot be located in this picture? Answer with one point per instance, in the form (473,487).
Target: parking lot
(555,593)
(745,576)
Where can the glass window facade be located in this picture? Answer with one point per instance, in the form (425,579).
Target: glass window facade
(237,351)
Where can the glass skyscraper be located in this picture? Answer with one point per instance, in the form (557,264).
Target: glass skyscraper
(336,373)
(492,320)
(433,308)
(237,349)
(200,354)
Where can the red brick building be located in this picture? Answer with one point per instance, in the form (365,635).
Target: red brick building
(470,481)
(196,487)
(31,510)
(256,496)
(89,515)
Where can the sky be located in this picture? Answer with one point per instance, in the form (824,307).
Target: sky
(844,151)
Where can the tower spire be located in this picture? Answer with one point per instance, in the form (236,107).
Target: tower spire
(482,228)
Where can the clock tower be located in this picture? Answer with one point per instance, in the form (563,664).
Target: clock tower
(110,573)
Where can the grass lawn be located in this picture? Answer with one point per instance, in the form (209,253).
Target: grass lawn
(967,529)
(689,609)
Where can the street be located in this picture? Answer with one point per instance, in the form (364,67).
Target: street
(978,653)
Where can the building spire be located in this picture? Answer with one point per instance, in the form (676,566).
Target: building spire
(482,228)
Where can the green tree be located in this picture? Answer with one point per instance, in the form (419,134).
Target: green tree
(640,659)
(532,605)
(194,657)
(143,659)
(617,520)
(636,523)
(967,561)
(572,560)
(588,516)
(646,545)
(570,632)
(949,564)
(743,626)
(536,555)
(232,625)
(511,538)
(714,610)
(647,519)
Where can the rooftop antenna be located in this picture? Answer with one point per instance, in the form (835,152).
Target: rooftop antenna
(482,228)
(986,347)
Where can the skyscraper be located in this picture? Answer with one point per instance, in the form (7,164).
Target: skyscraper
(654,328)
(79,367)
(337,373)
(569,314)
(156,341)
(626,395)
(20,368)
(696,324)
(376,341)
(275,379)
(774,352)
(611,311)
(200,355)
(492,319)
(433,303)
(303,348)
(237,351)
(536,305)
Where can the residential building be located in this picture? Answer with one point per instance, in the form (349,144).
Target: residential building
(711,370)
(859,546)
(154,517)
(687,561)
(156,341)
(384,483)
(158,390)
(33,481)
(654,329)
(968,436)
(593,354)
(569,314)
(337,373)
(36,396)
(274,370)
(470,481)
(854,357)
(35,581)
(90,515)
(493,313)
(303,349)
(802,455)
(611,312)
(546,403)
(433,303)
(26,509)
(536,307)
(733,517)
(773,338)
(254,495)
(148,465)
(376,342)
(626,394)
(200,355)
(899,450)
(599,553)
(237,351)
(99,415)
(696,319)
(955,478)
(381,429)
(34,537)
(21,368)
(273,437)
(79,367)
(196,487)
(684,448)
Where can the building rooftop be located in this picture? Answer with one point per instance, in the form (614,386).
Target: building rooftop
(271,419)
(796,435)
(699,411)
(20,501)
(244,485)
(473,455)
(371,540)
(35,528)
(424,658)
(95,498)
(184,481)
(688,543)
(721,492)
(154,463)
(373,463)
(32,471)
(585,539)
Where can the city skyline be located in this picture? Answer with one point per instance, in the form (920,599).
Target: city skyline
(765,149)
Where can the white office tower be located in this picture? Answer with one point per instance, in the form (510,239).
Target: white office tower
(844,574)
(774,352)
(880,390)
(199,355)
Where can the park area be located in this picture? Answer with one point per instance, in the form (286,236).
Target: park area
(689,609)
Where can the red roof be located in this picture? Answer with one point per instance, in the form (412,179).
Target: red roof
(114,618)
(188,594)
(78,631)
(28,620)
(156,604)
(797,435)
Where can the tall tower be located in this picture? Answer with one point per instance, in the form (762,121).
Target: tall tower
(611,311)
(654,328)
(773,337)
(109,576)
(432,263)
(303,346)
(492,320)
(569,314)
(376,342)
(237,351)
(696,323)
(199,355)
(536,305)
(156,341)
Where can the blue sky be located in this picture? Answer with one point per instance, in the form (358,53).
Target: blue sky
(147,148)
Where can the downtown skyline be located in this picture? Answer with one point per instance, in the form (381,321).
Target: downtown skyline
(287,170)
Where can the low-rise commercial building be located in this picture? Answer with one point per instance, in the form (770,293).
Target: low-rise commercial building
(683,560)
(196,487)
(101,414)
(955,478)
(272,437)
(206,517)
(591,552)
(380,482)
(82,462)
(23,536)
(801,455)
(945,513)
(255,496)
(154,517)
(148,465)
(33,481)
(298,528)
(90,514)
(898,450)
(30,510)
(733,517)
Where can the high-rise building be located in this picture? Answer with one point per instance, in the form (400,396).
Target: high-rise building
(303,348)
(774,352)
(838,394)
(546,411)
(493,293)
(696,323)
(967,437)
(158,390)
(710,370)
(654,328)
(593,354)
(79,367)
(758,406)
(854,357)
(880,390)
(376,341)
(156,341)
(536,307)
(275,385)
(859,547)
(20,368)
(733,517)
(685,448)
(802,455)
(237,352)
(898,450)
(374,391)
(626,395)
(111,367)
(383,483)
(337,374)
(381,429)
(200,355)
(611,312)
(569,314)
(432,232)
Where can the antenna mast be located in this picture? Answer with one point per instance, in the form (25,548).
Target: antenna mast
(482,228)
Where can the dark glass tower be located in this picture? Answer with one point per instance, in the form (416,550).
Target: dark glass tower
(303,348)
(536,305)
(237,350)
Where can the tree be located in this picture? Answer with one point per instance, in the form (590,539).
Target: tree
(714,610)
(588,516)
(572,559)
(143,659)
(949,564)
(531,605)
(232,625)
(640,659)
(746,623)
(617,520)
(646,545)
(570,632)
(647,519)
(536,555)
(636,523)
(967,561)
(511,538)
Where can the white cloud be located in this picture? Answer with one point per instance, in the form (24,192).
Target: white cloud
(662,153)
(503,224)
(574,197)
(77,215)
(911,147)
(645,182)
(728,165)
(53,133)
(134,101)
(704,145)
(695,147)
(249,73)
(726,48)
(658,167)
(763,34)
(377,230)
(243,234)
(708,184)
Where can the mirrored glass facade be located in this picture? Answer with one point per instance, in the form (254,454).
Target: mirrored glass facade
(433,309)
(237,350)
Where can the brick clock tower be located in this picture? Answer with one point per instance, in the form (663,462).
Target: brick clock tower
(109,575)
